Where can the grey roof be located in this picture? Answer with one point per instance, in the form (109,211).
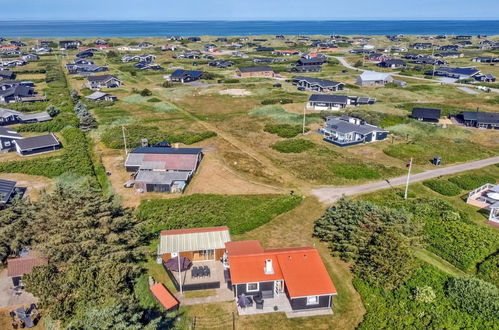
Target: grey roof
(160,177)
(193,241)
(37,142)
(101,78)
(374,76)
(459,71)
(6,189)
(481,117)
(38,116)
(96,95)
(339,124)
(255,68)
(317,81)
(429,113)
(7,132)
(164,150)
(342,99)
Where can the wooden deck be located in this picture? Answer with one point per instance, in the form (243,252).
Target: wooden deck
(281,301)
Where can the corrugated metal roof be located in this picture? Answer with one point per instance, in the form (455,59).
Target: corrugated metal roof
(193,241)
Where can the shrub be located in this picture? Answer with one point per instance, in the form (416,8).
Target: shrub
(284,130)
(354,172)
(240,213)
(145,92)
(231,81)
(74,158)
(471,181)
(275,101)
(475,296)
(154,100)
(293,146)
(443,187)
(424,294)
(55,125)
(487,270)
(112,137)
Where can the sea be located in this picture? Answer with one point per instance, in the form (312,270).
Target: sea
(60,29)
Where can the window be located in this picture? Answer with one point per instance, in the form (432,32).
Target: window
(6,143)
(252,287)
(312,300)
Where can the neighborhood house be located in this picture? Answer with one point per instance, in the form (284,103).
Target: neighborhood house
(372,78)
(346,131)
(431,115)
(255,71)
(486,197)
(163,169)
(336,102)
(317,85)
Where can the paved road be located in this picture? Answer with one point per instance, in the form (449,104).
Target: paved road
(329,195)
(394,74)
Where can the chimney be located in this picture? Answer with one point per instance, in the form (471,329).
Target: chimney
(268,267)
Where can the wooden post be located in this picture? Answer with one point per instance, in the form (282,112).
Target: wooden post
(408,178)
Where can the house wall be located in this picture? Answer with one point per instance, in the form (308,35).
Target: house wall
(255,74)
(7,144)
(264,286)
(38,151)
(301,303)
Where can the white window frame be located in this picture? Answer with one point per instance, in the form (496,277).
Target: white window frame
(313,303)
(7,143)
(257,287)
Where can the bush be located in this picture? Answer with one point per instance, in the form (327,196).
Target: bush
(55,125)
(74,158)
(284,130)
(475,297)
(293,146)
(354,172)
(488,270)
(240,213)
(443,187)
(145,92)
(231,81)
(471,181)
(154,100)
(112,137)
(276,101)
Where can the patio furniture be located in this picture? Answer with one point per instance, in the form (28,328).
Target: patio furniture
(176,265)
(258,298)
(206,271)
(259,304)
(194,272)
(244,301)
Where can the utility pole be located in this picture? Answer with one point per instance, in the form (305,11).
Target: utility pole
(408,178)
(304,114)
(124,139)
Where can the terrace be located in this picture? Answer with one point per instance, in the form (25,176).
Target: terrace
(192,281)
(486,197)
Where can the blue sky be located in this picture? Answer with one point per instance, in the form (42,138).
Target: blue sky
(249,9)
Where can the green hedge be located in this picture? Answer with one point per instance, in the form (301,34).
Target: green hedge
(471,181)
(113,138)
(401,308)
(488,270)
(284,130)
(240,213)
(443,187)
(55,125)
(293,146)
(74,158)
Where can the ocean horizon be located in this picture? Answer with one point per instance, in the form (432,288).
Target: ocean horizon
(137,28)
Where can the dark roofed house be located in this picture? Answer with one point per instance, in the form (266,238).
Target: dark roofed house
(346,131)
(478,119)
(306,68)
(311,61)
(255,71)
(7,138)
(457,73)
(184,76)
(318,85)
(392,63)
(264,49)
(103,81)
(37,144)
(6,75)
(485,78)
(336,102)
(69,44)
(426,114)
(10,117)
(7,189)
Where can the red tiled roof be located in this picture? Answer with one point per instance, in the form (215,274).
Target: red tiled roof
(24,265)
(193,230)
(243,247)
(174,161)
(164,296)
(301,269)
(305,274)
(250,268)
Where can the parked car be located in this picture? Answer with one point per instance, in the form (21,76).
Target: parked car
(129,184)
